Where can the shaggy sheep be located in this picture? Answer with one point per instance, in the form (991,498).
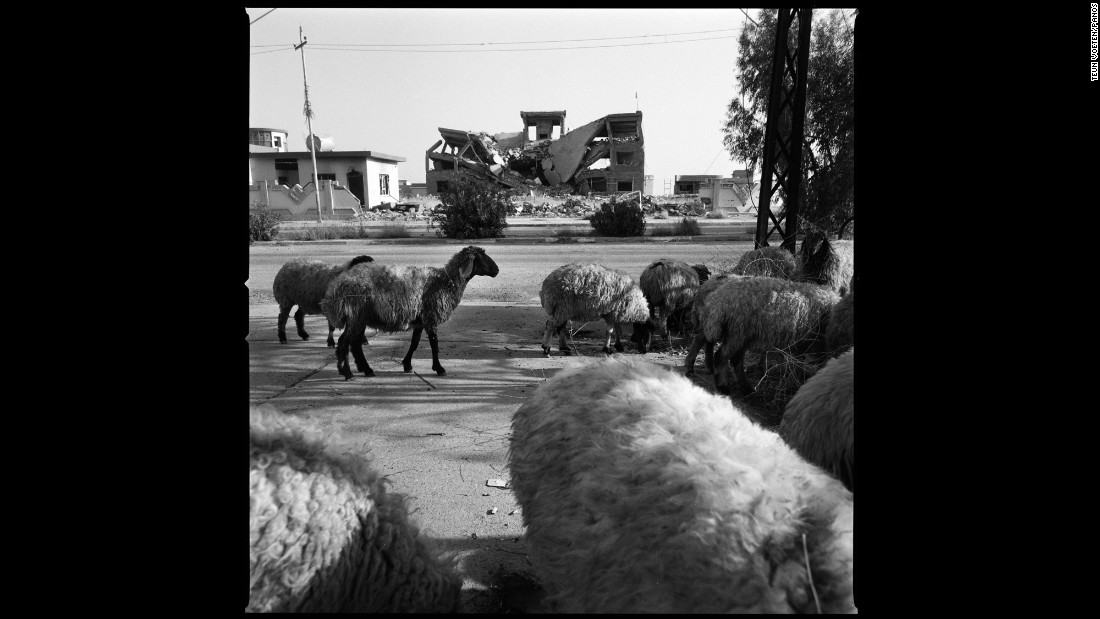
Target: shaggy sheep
(669,286)
(827,262)
(768,261)
(395,298)
(590,292)
(840,334)
(326,536)
(699,312)
(819,421)
(762,313)
(644,493)
(303,282)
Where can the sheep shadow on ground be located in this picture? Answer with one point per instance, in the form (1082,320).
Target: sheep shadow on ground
(498,577)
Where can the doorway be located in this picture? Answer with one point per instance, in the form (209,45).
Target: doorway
(355,186)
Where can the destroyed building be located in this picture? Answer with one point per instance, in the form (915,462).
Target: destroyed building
(606,155)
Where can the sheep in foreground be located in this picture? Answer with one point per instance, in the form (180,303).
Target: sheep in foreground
(303,282)
(590,292)
(819,421)
(395,298)
(326,536)
(765,313)
(642,492)
(840,334)
(768,261)
(669,286)
(827,262)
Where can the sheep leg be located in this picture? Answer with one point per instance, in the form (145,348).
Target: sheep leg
(618,337)
(546,337)
(331,342)
(708,356)
(562,344)
(610,332)
(361,364)
(720,377)
(284,313)
(433,341)
(342,355)
(738,361)
(300,321)
(407,362)
(693,352)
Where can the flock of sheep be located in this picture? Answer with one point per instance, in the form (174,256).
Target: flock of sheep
(640,490)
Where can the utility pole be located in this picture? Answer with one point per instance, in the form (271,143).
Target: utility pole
(309,122)
(783,131)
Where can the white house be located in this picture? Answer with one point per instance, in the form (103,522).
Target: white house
(350,180)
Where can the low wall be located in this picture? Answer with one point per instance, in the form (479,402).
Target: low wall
(298,204)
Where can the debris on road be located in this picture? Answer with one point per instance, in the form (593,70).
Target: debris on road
(496,483)
(491,511)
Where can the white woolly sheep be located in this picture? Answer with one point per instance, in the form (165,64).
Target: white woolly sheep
(644,493)
(669,286)
(326,536)
(819,421)
(764,313)
(827,262)
(395,298)
(840,334)
(590,292)
(303,282)
(768,261)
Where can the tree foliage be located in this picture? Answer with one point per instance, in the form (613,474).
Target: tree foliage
(617,218)
(262,223)
(471,209)
(827,200)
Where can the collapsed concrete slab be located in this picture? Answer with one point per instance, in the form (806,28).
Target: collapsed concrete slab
(604,156)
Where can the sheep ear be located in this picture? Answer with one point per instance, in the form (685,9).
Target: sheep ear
(467,269)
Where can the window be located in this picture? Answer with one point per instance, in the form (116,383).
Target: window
(384,184)
(325,176)
(626,158)
(278,141)
(626,185)
(283,180)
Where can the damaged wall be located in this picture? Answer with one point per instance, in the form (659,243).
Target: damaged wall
(604,156)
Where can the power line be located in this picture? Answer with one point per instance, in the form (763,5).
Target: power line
(284,48)
(260,17)
(529,49)
(749,16)
(641,36)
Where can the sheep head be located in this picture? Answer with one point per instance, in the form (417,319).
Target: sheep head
(702,271)
(474,261)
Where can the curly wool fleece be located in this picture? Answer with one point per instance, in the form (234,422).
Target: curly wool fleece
(325,536)
(642,492)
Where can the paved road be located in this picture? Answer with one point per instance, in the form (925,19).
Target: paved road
(522,267)
(438,439)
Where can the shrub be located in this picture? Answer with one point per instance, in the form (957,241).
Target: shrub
(619,219)
(262,223)
(393,230)
(470,209)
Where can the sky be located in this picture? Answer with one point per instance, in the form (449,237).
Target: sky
(394,97)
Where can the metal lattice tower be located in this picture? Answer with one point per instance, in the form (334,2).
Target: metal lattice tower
(783,132)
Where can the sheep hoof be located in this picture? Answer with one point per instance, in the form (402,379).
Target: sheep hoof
(546,350)
(567,352)
(368,373)
(440,371)
(642,350)
(282,340)
(619,346)
(689,373)
(331,344)
(608,351)
(304,336)
(722,389)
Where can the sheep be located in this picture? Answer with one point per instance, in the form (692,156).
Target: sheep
(303,282)
(840,334)
(589,292)
(669,286)
(644,493)
(819,421)
(326,536)
(827,262)
(768,261)
(395,298)
(699,311)
(762,313)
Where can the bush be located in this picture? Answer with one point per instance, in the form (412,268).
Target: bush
(619,219)
(261,223)
(471,209)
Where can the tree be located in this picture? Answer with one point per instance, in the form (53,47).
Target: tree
(471,209)
(827,200)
